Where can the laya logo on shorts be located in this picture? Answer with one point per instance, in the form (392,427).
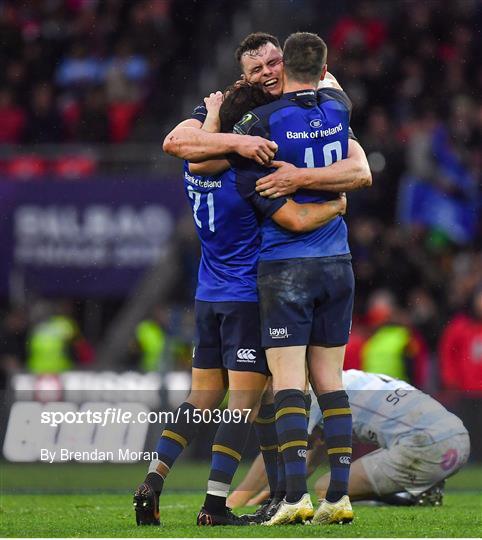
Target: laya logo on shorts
(246,355)
(302,453)
(344,460)
(279,333)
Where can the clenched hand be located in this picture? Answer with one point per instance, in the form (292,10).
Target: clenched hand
(260,150)
(214,101)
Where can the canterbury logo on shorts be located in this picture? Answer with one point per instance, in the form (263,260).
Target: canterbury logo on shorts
(246,355)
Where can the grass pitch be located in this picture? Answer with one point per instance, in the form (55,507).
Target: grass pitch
(96,500)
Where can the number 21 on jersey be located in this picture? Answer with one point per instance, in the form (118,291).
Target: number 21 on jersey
(199,199)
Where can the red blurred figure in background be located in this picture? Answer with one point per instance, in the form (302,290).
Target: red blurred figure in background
(461,349)
(363,30)
(13,118)
(461,366)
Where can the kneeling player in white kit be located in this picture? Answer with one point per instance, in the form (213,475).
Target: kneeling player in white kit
(420,444)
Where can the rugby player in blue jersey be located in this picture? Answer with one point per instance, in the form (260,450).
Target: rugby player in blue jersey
(227,282)
(305,281)
(261,61)
(257,51)
(227,346)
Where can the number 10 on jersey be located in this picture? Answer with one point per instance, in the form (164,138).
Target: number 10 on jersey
(328,151)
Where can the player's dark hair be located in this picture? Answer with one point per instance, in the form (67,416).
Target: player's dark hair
(304,55)
(253,42)
(239,99)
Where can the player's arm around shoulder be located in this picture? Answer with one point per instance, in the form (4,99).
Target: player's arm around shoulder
(196,145)
(361,173)
(188,141)
(348,174)
(309,216)
(212,124)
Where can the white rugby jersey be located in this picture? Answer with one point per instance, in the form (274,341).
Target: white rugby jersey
(387,410)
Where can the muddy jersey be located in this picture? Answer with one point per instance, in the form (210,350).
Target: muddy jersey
(311,130)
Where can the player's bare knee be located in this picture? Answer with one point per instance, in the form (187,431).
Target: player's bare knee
(283,378)
(205,399)
(248,401)
(326,365)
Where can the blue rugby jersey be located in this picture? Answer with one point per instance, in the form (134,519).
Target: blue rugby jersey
(228,229)
(311,130)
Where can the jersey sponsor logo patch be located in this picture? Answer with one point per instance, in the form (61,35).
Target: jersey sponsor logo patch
(318,134)
(316,123)
(202,181)
(244,126)
(246,355)
(301,453)
(344,460)
(279,333)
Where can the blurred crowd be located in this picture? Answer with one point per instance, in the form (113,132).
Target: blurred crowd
(84,70)
(51,336)
(413,74)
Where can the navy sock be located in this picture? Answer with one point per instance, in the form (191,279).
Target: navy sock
(308,408)
(293,440)
(228,446)
(281,475)
(175,437)
(265,428)
(337,428)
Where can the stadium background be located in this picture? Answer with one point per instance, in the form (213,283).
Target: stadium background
(98,251)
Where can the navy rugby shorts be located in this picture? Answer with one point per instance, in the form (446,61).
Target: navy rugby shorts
(306,301)
(228,336)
